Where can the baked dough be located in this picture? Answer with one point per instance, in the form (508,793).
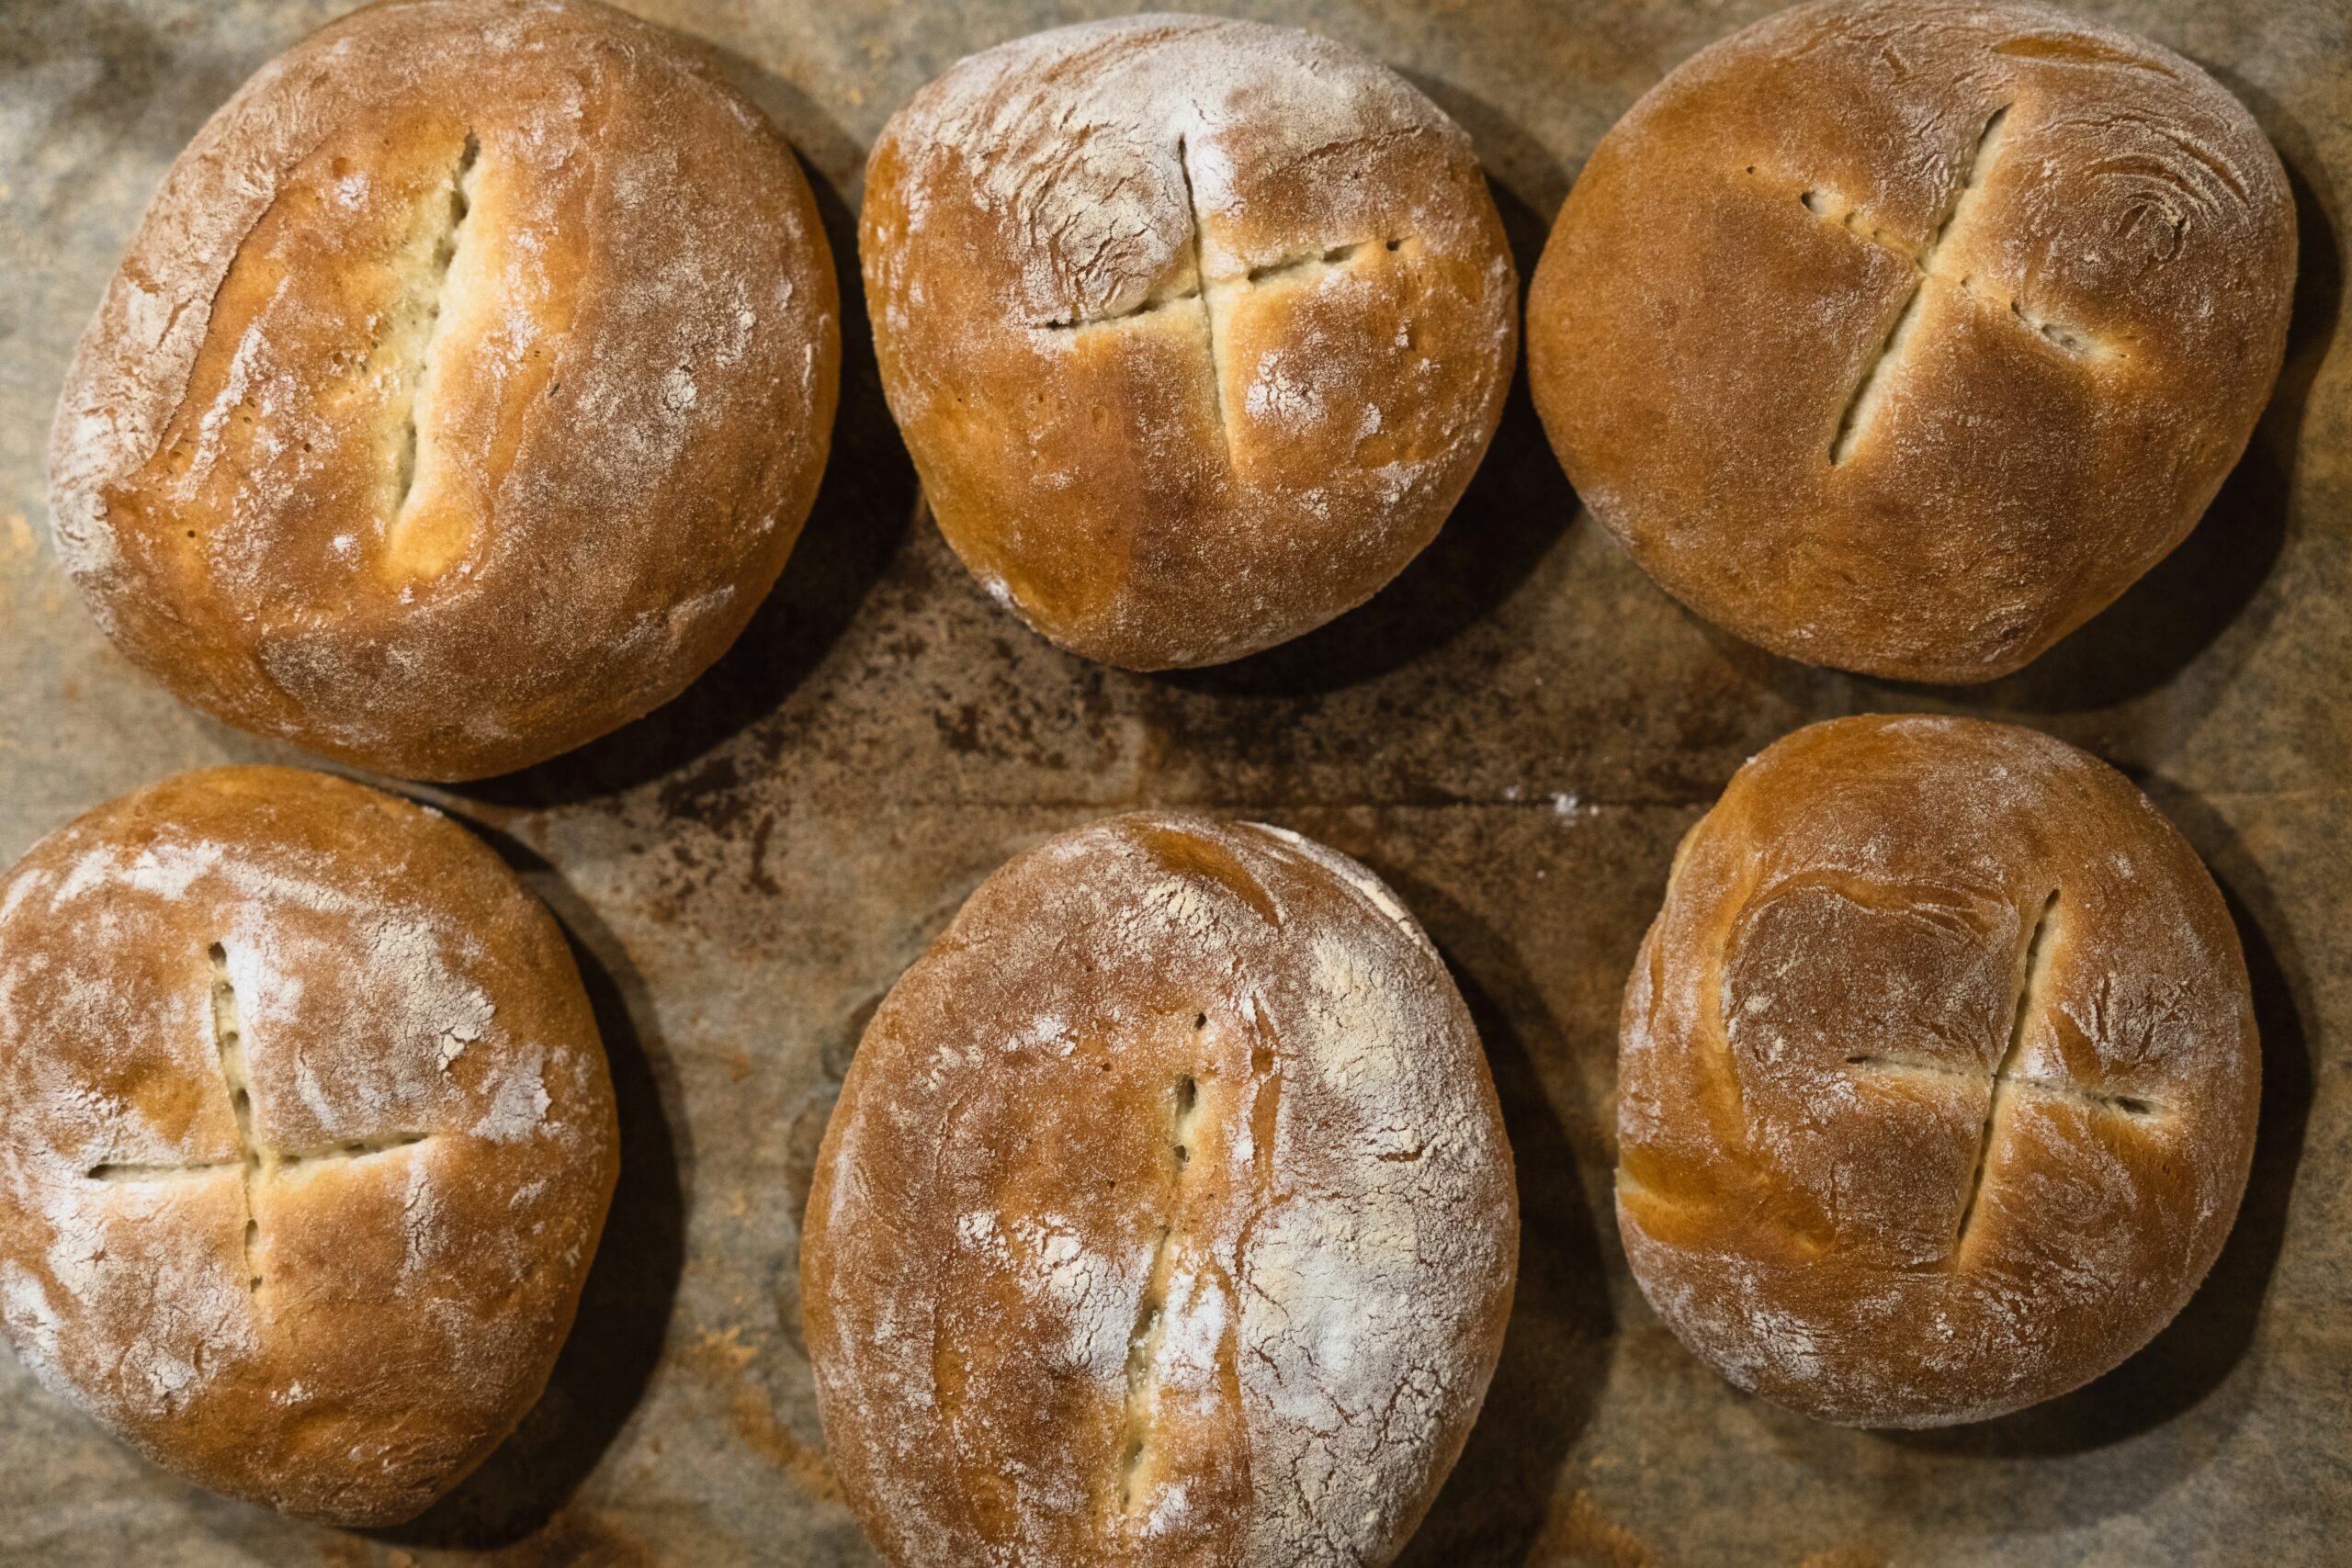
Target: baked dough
(1903,336)
(462,393)
(1166,1216)
(1937,1080)
(1197,328)
(308,1137)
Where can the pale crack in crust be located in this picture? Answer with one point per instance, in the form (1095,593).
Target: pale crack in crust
(1998,1068)
(1927,263)
(1225,1232)
(1062,237)
(1306,261)
(2033,962)
(1208,298)
(269,970)
(229,1038)
(436,288)
(2075,341)
(1144,1342)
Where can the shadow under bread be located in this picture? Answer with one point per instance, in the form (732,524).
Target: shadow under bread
(855,526)
(616,1340)
(1495,1502)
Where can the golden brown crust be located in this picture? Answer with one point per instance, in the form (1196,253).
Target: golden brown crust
(1937,1078)
(462,394)
(1903,336)
(337,1294)
(1151,473)
(1167,1216)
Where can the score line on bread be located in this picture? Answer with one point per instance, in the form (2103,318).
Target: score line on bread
(256,1160)
(1166,1215)
(1888,359)
(462,393)
(1862,351)
(1938,1074)
(310,1137)
(1277,424)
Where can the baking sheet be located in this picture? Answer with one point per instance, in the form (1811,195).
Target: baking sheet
(1514,734)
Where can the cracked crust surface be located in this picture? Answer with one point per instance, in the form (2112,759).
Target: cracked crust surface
(1938,1074)
(308,1137)
(462,393)
(1197,328)
(1905,336)
(1166,1216)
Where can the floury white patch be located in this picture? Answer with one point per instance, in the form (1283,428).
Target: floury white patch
(1230,1272)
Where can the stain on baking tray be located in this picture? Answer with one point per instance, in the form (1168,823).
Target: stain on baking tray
(1006,718)
(755,1423)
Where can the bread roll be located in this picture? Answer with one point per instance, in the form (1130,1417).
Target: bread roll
(1195,328)
(1937,1080)
(308,1137)
(462,393)
(1166,1216)
(1903,336)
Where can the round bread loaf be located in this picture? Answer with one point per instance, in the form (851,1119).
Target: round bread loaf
(1197,328)
(1937,1079)
(1903,336)
(462,394)
(308,1137)
(1166,1217)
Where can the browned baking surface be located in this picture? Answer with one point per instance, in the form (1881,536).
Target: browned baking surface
(1513,736)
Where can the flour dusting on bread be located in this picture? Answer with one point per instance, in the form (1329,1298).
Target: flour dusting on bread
(1196,327)
(465,339)
(306,1099)
(1200,1207)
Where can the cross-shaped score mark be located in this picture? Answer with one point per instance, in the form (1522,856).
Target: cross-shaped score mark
(256,1161)
(1930,263)
(1204,288)
(2007,1082)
